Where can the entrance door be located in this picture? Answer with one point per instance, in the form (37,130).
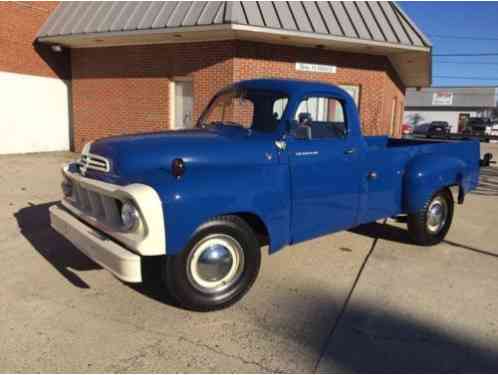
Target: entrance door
(184,105)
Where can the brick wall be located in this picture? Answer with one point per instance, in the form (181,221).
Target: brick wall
(373,74)
(394,90)
(121,90)
(19,23)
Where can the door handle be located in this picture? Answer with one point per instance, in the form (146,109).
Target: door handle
(372,175)
(350,151)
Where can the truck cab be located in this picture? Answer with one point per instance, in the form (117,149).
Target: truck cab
(270,162)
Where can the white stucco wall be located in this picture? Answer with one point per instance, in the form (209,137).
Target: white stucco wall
(34,114)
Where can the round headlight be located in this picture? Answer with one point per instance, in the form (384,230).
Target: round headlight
(130,217)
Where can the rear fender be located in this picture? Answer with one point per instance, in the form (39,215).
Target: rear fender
(427,174)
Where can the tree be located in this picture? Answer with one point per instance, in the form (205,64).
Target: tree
(415,119)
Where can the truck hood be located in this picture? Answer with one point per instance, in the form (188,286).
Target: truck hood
(134,156)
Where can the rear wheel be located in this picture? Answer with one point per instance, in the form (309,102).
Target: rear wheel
(431,223)
(218,266)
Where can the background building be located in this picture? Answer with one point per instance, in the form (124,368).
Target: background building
(452,104)
(34,92)
(151,66)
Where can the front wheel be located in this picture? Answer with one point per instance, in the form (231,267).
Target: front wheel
(429,225)
(218,266)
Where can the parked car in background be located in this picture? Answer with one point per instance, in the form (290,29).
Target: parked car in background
(406,129)
(433,129)
(478,126)
(494,131)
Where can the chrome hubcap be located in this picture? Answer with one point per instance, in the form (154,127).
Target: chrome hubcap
(215,263)
(437,215)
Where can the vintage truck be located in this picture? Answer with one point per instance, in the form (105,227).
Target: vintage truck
(270,162)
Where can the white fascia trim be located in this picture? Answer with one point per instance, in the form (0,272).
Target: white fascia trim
(233,29)
(109,34)
(324,37)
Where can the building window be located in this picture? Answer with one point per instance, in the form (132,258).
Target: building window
(352,90)
(181,103)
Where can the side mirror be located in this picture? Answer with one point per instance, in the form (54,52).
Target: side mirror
(302,132)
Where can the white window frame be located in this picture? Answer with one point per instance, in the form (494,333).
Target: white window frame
(356,89)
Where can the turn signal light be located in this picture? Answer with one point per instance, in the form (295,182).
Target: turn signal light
(178,168)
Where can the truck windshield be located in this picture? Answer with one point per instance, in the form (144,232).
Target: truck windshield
(250,109)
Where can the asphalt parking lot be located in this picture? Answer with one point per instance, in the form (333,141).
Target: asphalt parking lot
(359,301)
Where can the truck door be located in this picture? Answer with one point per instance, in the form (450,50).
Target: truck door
(325,180)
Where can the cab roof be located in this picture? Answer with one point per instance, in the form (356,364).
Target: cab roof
(288,86)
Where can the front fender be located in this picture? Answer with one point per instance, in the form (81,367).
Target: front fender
(193,200)
(427,174)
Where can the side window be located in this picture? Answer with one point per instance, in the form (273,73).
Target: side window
(325,116)
(279,107)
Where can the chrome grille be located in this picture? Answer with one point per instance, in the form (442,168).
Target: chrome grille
(90,161)
(100,207)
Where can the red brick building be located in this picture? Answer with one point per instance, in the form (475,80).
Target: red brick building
(141,66)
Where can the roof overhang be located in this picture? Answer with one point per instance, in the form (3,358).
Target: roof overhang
(412,63)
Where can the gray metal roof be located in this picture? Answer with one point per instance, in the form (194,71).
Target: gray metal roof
(372,21)
(470,97)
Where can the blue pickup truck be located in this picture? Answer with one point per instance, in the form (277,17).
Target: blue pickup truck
(270,162)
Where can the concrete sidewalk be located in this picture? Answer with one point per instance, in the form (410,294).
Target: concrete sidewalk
(408,308)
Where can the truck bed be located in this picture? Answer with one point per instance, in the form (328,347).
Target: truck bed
(396,161)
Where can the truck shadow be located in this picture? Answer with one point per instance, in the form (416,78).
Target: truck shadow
(371,338)
(367,337)
(34,225)
(383,232)
(153,284)
(395,234)
(488,183)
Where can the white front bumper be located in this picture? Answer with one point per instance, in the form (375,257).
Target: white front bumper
(149,239)
(99,247)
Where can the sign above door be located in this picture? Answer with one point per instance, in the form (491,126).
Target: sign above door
(316,68)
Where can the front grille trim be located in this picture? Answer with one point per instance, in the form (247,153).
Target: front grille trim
(99,207)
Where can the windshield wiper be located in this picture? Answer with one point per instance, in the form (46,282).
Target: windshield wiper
(221,123)
(232,123)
